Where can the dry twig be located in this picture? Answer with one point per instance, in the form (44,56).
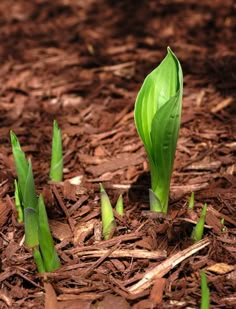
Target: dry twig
(160,270)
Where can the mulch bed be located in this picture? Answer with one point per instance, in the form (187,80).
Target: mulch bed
(82,63)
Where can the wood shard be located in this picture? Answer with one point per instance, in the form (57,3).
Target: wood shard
(163,268)
(134,253)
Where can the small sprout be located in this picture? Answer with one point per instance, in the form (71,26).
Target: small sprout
(224,228)
(18,204)
(56,169)
(120,206)
(205,293)
(191,201)
(157,117)
(108,220)
(199,228)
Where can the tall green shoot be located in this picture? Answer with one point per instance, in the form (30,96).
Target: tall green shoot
(56,168)
(48,252)
(205,292)
(157,117)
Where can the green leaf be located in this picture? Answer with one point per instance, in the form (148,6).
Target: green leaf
(18,204)
(56,169)
(48,252)
(155,203)
(108,220)
(38,261)
(31,227)
(21,163)
(164,135)
(205,297)
(30,199)
(157,118)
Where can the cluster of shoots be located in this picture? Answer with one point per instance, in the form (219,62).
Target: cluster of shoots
(157,117)
(108,219)
(31,208)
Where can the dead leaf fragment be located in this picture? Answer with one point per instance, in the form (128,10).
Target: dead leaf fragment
(60,230)
(220,268)
(83,230)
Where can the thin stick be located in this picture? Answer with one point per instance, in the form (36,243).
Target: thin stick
(63,207)
(134,253)
(162,269)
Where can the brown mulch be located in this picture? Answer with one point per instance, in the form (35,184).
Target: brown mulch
(82,63)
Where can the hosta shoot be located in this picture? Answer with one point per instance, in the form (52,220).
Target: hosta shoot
(205,293)
(108,220)
(120,206)
(191,201)
(199,228)
(157,118)
(56,168)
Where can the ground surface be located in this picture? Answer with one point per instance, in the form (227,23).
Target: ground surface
(82,63)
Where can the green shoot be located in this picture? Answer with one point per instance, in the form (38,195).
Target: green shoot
(199,228)
(38,261)
(120,206)
(191,201)
(224,228)
(26,193)
(21,165)
(157,117)
(20,217)
(56,169)
(108,220)
(48,252)
(205,298)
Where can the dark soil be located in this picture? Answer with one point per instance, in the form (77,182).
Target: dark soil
(82,63)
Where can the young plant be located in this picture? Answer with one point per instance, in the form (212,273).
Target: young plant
(205,297)
(37,232)
(120,206)
(199,228)
(26,193)
(108,220)
(56,169)
(157,117)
